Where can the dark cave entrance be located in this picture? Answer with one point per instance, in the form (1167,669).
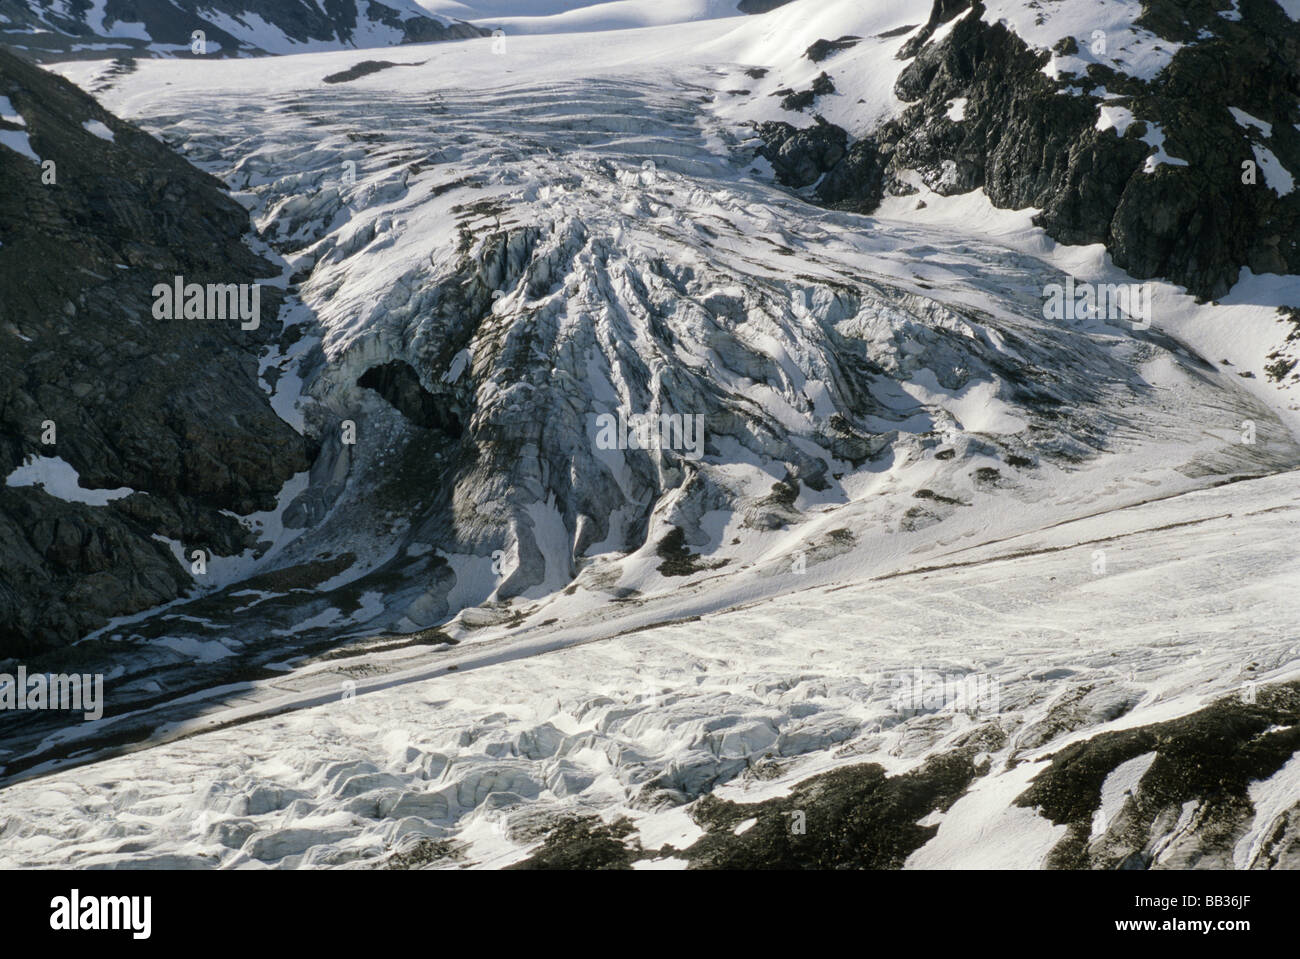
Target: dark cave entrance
(399,384)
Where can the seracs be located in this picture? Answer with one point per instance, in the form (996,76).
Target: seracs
(646,431)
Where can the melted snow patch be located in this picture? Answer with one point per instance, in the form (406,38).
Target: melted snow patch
(1114,117)
(1156,138)
(1244,119)
(984,829)
(203,651)
(58,478)
(372,604)
(99,129)
(1276,176)
(1116,789)
(19,142)
(95,19)
(9,114)
(1271,798)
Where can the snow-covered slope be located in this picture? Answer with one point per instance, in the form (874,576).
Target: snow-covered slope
(580,16)
(216,28)
(491,252)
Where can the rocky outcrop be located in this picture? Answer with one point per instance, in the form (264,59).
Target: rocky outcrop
(759,6)
(171,409)
(822,49)
(1179,183)
(1191,801)
(801,157)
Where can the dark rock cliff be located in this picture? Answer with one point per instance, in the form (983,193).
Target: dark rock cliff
(1030,140)
(170,408)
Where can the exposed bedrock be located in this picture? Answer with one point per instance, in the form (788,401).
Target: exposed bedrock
(169,408)
(1181,212)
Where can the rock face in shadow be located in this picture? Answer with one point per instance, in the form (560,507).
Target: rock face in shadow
(1169,190)
(172,409)
(398,383)
(801,157)
(760,6)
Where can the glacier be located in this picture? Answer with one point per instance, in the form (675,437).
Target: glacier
(472,620)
